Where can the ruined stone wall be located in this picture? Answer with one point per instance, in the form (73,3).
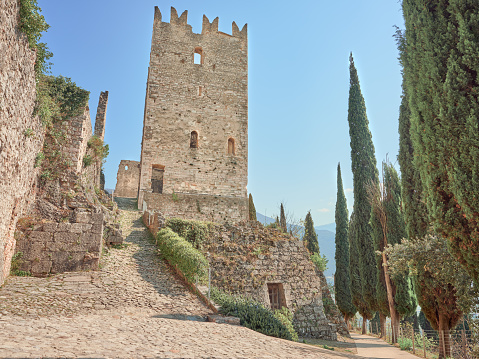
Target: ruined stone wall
(78,131)
(51,247)
(247,257)
(210,99)
(100,118)
(198,207)
(21,134)
(127,179)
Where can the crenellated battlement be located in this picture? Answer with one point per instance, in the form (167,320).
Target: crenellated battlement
(207,28)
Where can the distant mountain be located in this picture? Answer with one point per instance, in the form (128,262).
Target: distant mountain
(327,246)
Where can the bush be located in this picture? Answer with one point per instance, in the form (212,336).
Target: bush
(183,255)
(255,316)
(405,343)
(195,232)
(321,262)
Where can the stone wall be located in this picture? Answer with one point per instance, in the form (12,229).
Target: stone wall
(100,118)
(51,247)
(199,207)
(78,131)
(21,134)
(193,111)
(330,308)
(246,258)
(127,179)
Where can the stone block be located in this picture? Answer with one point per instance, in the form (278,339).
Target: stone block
(41,267)
(82,217)
(50,227)
(64,227)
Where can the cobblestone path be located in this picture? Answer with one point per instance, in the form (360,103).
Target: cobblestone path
(133,307)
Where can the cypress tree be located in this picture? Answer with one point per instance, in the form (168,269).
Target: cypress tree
(420,54)
(282,220)
(342,277)
(355,269)
(310,237)
(365,173)
(252,210)
(440,68)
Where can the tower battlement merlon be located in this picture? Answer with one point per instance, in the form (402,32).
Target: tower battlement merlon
(209,27)
(157,15)
(175,20)
(241,34)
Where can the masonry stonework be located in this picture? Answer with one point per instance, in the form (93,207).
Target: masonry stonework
(195,131)
(127,179)
(21,133)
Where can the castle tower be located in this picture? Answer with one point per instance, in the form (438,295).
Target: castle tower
(194,155)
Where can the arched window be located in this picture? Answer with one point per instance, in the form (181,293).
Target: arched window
(199,58)
(231,146)
(194,139)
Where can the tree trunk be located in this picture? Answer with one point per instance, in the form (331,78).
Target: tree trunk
(392,308)
(382,323)
(364,326)
(444,337)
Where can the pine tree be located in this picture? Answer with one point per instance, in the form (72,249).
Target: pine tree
(365,173)
(282,220)
(440,68)
(252,210)
(342,277)
(310,237)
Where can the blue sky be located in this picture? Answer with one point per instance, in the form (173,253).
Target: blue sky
(298,83)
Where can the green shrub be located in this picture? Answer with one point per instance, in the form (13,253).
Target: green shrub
(183,255)
(195,232)
(285,316)
(405,343)
(321,262)
(254,315)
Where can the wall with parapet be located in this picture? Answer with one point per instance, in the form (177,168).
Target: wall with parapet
(198,207)
(21,134)
(127,179)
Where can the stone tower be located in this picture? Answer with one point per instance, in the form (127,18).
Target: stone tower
(194,153)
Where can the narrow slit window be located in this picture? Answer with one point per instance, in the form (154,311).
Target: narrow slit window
(194,139)
(199,58)
(231,146)
(200,91)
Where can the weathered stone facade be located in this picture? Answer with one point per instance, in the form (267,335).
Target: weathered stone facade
(21,134)
(251,260)
(195,131)
(127,179)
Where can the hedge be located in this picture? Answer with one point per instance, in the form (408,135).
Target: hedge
(195,232)
(255,316)
(181,254)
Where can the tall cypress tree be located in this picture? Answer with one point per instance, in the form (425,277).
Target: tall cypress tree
(252,210)
(365,173)
(310,237)
(441,65)
(282,220)
(436,297)
(342,277)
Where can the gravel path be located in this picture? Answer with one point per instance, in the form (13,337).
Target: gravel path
(371,347)
(133,307)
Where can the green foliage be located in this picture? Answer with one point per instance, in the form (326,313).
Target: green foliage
(285,316)
(195,232)
(365,173)
(255,316)
(445,288)
(100,150)
(405,343)
(181,254)
(310,237)
(252,209)
(282,219)
(342,283)
(29,132)
(441,61)
(32,24)
(175,197)
(325,346)
(321,262)
(87,160)
(39,159)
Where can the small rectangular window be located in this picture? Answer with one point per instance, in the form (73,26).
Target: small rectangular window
(276,295)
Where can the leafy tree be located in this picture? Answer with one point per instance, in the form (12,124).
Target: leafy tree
(388,228)
(282,220)
(365,173)
(310,237)
(342,277)
(252,210)
(441,61)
